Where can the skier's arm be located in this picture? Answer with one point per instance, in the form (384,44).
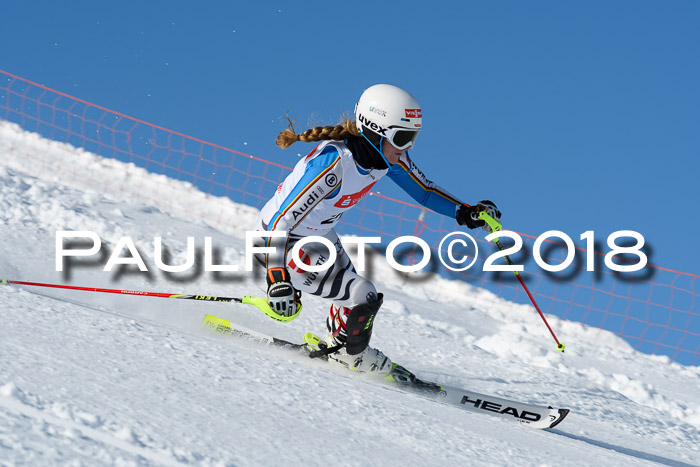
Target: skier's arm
(406,175)
(322,179)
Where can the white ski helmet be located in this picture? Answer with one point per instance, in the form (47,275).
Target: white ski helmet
(386,111)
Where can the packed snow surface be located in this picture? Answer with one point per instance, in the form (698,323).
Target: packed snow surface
(103,379)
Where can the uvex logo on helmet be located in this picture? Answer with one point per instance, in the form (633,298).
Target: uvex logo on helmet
(414,113)
(371,125)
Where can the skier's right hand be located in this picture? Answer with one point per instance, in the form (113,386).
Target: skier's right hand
(281,296)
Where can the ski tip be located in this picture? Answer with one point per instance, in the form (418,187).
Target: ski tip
(562,415)
(217,324)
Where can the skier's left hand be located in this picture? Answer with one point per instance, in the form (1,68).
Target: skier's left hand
(469,215)
(282,297)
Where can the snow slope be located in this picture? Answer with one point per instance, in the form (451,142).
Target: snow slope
(101,379)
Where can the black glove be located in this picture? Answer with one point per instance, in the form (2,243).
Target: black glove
(469,215)
(283,299)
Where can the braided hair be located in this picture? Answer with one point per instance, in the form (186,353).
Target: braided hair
(343,130)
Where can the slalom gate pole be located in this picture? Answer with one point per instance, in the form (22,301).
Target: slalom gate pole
(496,227)
(258,302)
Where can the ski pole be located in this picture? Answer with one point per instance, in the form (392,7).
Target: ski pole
(497,227)
(258,302)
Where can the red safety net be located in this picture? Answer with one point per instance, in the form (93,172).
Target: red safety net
(653,309)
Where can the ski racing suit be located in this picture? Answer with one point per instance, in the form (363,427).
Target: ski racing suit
(311,201)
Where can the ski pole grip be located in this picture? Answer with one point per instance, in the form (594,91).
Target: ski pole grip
(262,305)
(493,223)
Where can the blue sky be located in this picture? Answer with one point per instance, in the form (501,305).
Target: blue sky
(571,116)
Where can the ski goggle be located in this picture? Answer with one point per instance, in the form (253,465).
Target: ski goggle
(401,138)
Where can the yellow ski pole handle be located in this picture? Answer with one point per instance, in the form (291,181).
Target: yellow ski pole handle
(493,223)
(496,227)
(261,304)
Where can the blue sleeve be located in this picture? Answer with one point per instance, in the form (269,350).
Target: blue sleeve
(406,175)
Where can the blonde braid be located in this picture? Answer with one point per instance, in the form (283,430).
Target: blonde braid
(344,129)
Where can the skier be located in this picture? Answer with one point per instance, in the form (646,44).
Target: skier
(335,176)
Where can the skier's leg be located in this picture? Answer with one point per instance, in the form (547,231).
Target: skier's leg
(355,302)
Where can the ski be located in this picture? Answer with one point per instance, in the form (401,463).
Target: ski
(531,415)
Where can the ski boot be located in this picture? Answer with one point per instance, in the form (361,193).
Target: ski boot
(349,332)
